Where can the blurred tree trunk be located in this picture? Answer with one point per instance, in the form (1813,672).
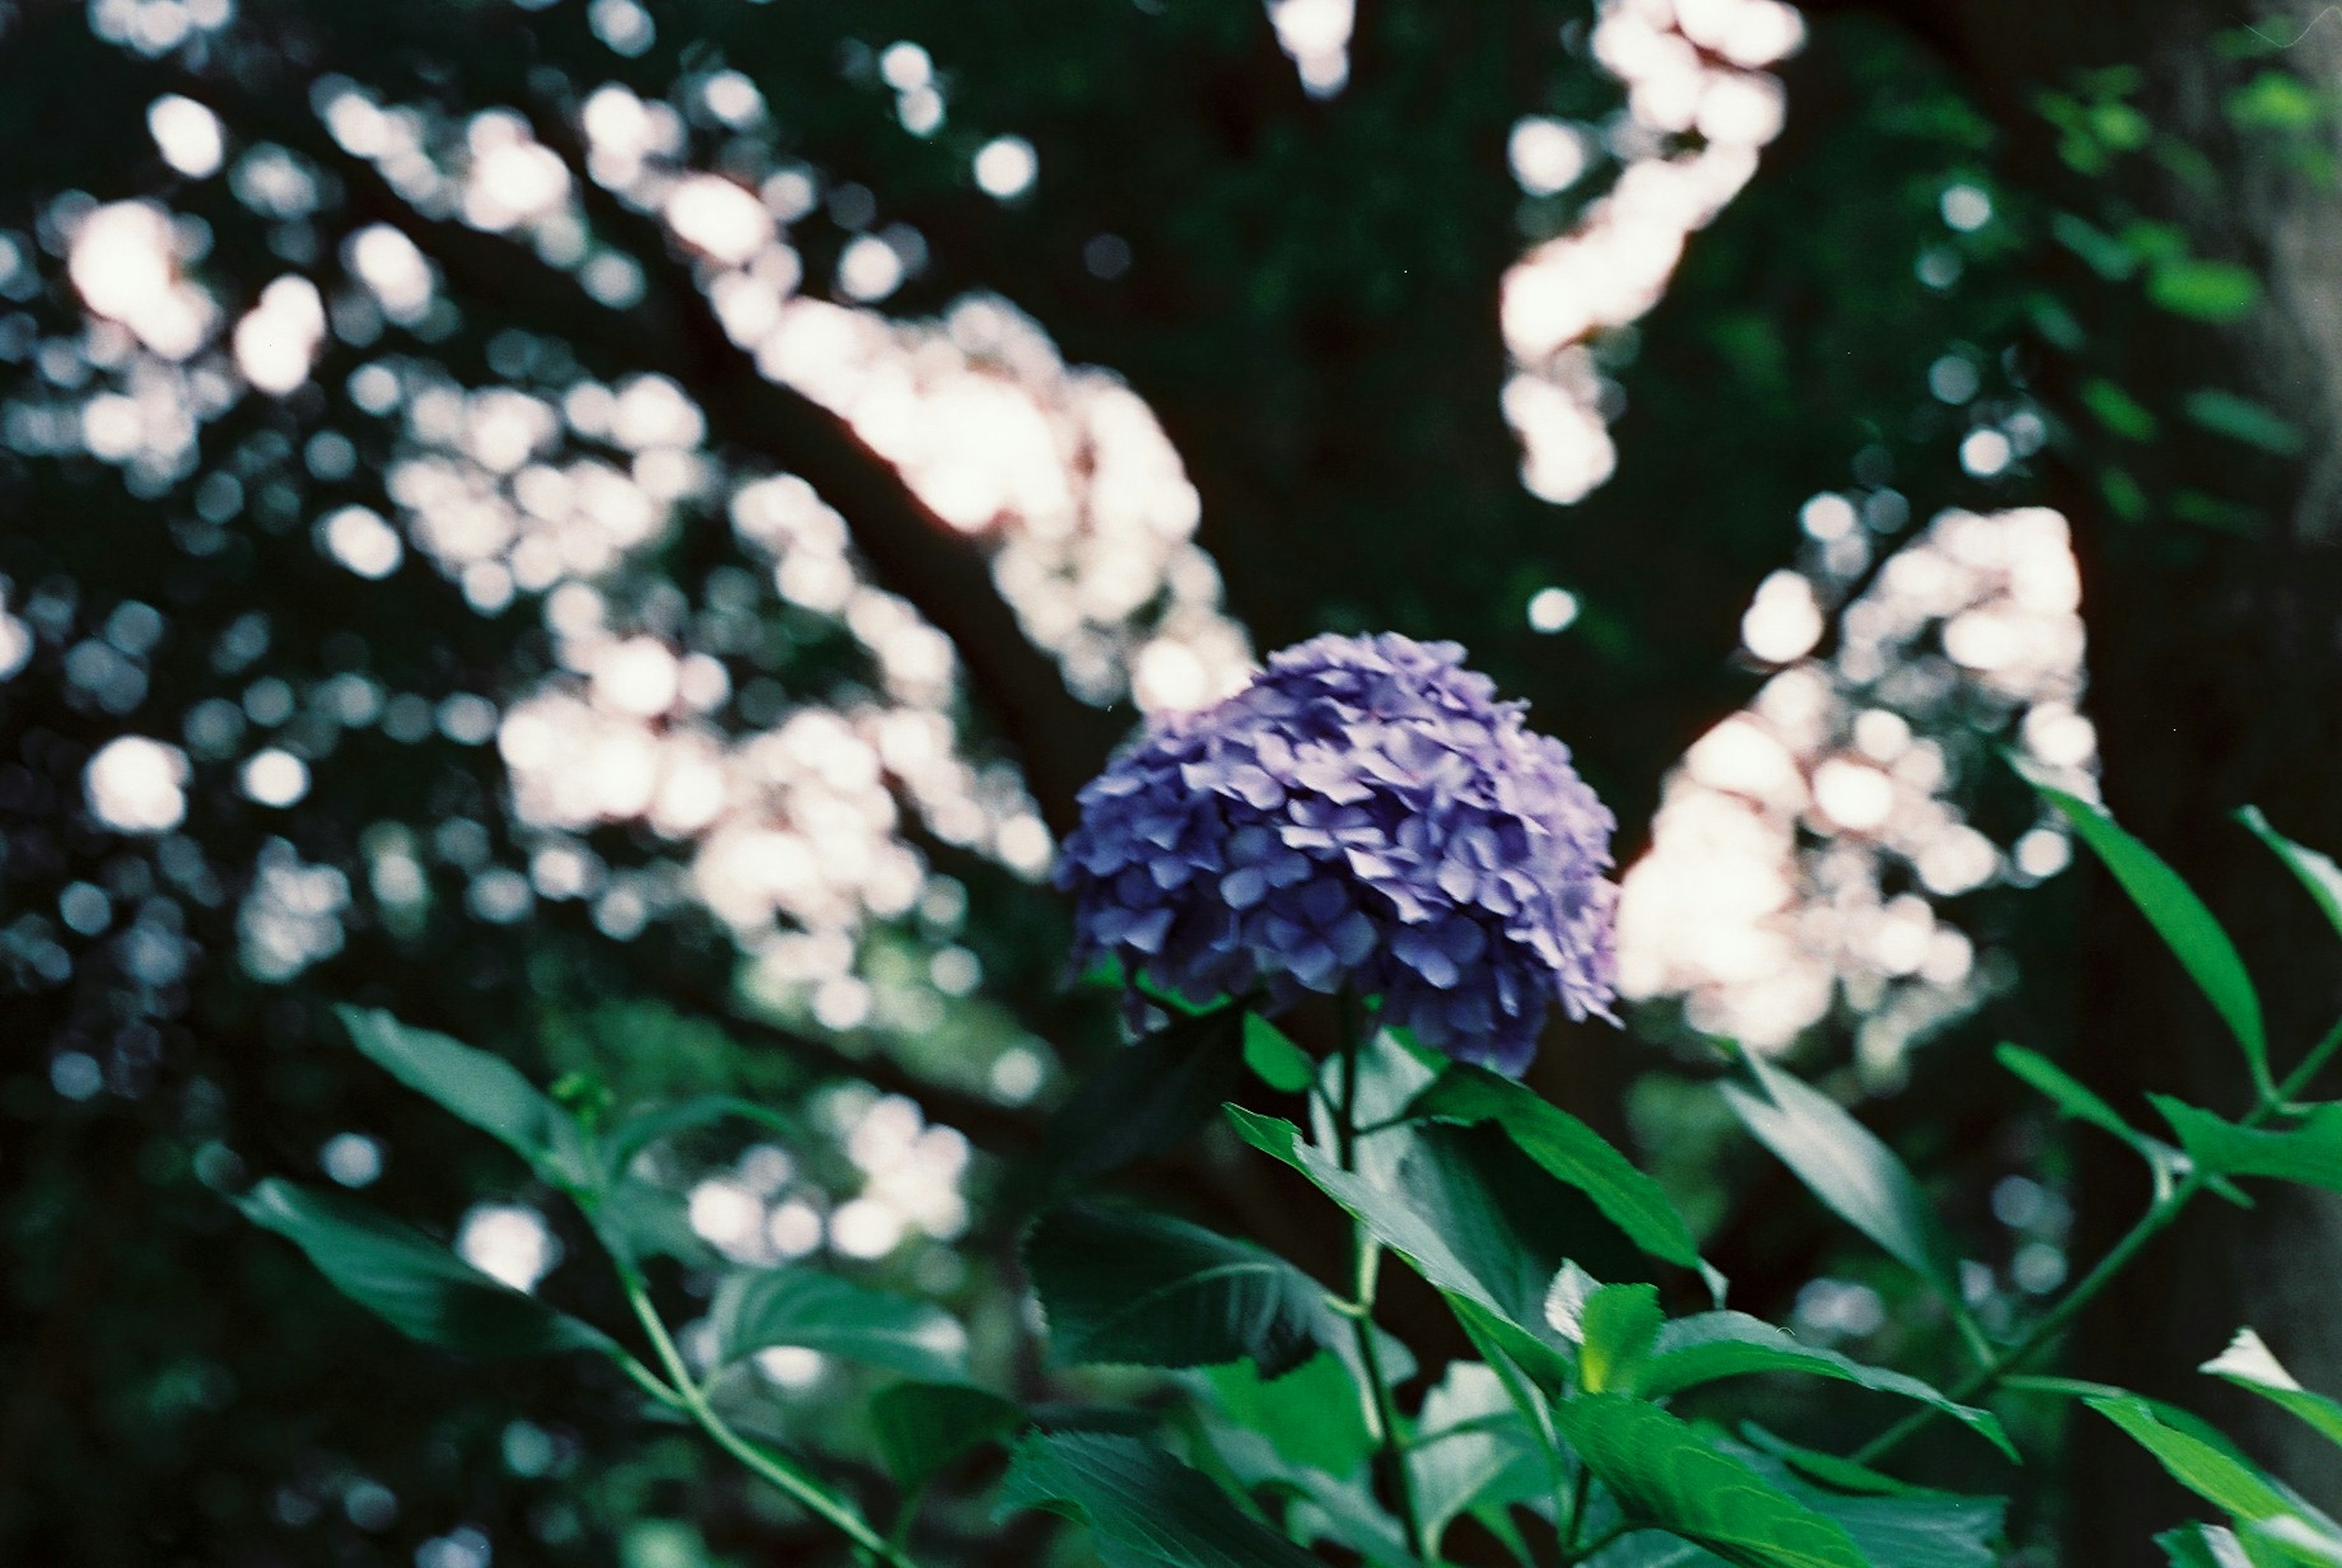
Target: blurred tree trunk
(2216,666)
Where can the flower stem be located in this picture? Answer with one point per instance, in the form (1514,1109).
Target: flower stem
(809,1493)
(1366,1254)
(2165,1208)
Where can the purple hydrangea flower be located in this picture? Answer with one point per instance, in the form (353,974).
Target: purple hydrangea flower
(1364,814)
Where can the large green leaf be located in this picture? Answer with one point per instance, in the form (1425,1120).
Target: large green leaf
(1446,1230)
(1664,1475)
(2180,918)
(757,1309)
(2216,1471)
(1693,1351)
(1892,1523)
(1569,1150)
(1123,1285)
(1311,1417)
(2249,1362)
(923,1426)
(2310,1151)
(2317,873)
(481,1088)
(1845,1166)
(422,1289)
(1145,1509)
(1149,1096)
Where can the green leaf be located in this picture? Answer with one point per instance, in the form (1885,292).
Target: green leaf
(2118,411)
(2310,1153)
(2077,1101)
(1615,1327)
(1845,1166)
(2242,419)
(1569,1150)
(1145,1509)
(2107,256)
(1665,1476)
(421,1288)
(1134,1288)
(2208,291)
(1274,1058)
(1896,1526)
(1149,1096)
(1445,1230)
(1693,1351)
(2317,872)
(1311,1417)
(757,1309)
(2180,918)
(638,1132)
(2249,1362)
(2215,1472)
(479,1087)
(2203,1546)
(1471,1450)
(923,1426)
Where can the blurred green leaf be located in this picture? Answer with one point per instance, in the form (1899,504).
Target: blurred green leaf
(923,1426)
(2273,100)
(1132,1288)
(2107,256)
(1569,1150)
(758,1309)
(1274,1058)
(1145,1509)
(2214,291)
(640,1131)
(2180,918)
(2309,1151)
(1664,1475)
(2249,1362)
(480,1088)
(1845,1166)
(2241,419)
(412,1281)
(1893,1524)
(1692,1351)
(2118,410)
(1150,1095)
(2317,872)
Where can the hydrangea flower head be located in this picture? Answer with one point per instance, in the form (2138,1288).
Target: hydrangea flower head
(1364,814)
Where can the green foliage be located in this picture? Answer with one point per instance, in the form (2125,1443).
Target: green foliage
(1148,1097)
(410,1280)
(921,1427)
(2317,872)
(2309,1151)
(1145,1509)
(2180,918)
(1274,1058)
(479,1088)
(1569,1150)
(1845,1164)
(2249,1364)
(1666,1476)
(761,1309)
(1122,1285)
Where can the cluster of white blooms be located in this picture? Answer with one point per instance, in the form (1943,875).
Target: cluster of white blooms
(1700,106)
(1762,900)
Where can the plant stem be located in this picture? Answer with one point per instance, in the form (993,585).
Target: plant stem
(808,1493)
(1575,1520)
(2151,1224)
(1367,1253)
